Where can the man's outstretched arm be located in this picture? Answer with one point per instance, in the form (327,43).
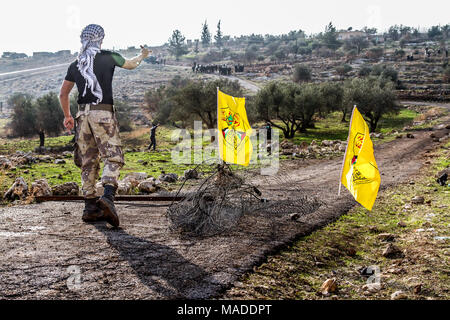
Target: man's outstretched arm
(65,104)
(136,61)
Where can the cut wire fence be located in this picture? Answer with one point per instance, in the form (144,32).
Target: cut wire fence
(217,204)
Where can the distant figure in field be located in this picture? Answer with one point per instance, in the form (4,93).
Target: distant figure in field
(269,132)
(41,138)
(153,137)
(269,137)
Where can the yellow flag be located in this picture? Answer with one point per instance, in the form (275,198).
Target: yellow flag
(360,173)
(234,130)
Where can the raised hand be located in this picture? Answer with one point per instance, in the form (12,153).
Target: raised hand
(145,52)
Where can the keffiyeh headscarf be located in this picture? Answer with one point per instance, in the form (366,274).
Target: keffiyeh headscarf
(91,39)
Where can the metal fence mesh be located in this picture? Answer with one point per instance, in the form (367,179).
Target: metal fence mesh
(221,199)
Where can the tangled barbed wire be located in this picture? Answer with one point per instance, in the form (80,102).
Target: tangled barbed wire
(222,199)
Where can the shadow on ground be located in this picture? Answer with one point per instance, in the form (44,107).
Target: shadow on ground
(161,268)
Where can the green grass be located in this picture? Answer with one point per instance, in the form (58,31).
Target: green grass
(397,122)
(331,127)
(8,146)
(54,173)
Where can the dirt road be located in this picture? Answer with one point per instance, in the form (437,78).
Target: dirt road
(47,252)
(245,84)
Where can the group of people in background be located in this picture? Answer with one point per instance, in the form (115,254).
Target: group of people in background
(201,68)
(429,52)
(223,69)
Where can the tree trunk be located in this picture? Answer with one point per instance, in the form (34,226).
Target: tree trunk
(311,125)
(302,128)
(292,132)
(344,114)
(285,133)
(212,120)
(373,125)
(289,134)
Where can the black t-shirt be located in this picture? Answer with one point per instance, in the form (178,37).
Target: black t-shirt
(104,66)
(153,131)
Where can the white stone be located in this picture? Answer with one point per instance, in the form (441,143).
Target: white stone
(398,295)
(372,287)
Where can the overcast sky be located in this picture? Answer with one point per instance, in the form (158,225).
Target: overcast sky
(48,25)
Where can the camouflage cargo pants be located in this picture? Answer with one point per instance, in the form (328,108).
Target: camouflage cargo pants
(97,137)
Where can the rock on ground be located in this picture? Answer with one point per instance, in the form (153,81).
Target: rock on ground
(60,161)
(66,189)
(40,188)
(392,251)
(133,182)
(398,295)
(372,287)
(18,190)
(149,185)
(139,176)
(387,237)
(329,286)
(190,174)
(418,200)
(46,159)
(5,163)
(168,177)
(124,187)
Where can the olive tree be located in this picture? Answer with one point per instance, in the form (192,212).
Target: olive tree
(357,43)
(374,97)
(301,73)
(49,116)
(333,95)
(289,107)
(185,100)
(23,119)
(42,116)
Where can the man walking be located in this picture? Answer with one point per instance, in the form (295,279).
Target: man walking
(97,130)
(153,137)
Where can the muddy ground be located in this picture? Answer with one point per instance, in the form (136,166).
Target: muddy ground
(45,248)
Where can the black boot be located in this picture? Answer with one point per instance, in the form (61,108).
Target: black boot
(106,203)
(92,212)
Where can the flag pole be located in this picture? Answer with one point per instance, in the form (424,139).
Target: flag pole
(218,133)
(346,150)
